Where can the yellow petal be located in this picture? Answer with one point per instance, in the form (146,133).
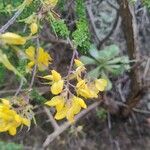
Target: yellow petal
(54,101)
(12,38)
(61,114)
(30,65)
(56,76)
(33,28)
(57,87)
(80,102)
(78,63)
(5,101)
(70,115)
(76,108)
(26,122)
(84,92)
(12,131)
(30,52)
(101,84)
(18,118)
(48,77)
(60,106)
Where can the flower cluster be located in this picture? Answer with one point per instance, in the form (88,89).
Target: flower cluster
(10,120)
(41,58)
(68,102)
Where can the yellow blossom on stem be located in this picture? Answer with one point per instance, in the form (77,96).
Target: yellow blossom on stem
(79,70)
(34,28)
(9,119)
(78,63)
(57,101)
(101,84)
(51,3)
(57,82)
(66,109)
(12,39)
(82,89)
(42,58)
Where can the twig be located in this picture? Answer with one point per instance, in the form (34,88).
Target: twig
(33,77)
(111,31)
(71,63)
(134,109)
(91,17)
(66,125)
(112,5)
(20,87)
(35,66)
(42,90)
(11,21)
(146,68)
(51,118)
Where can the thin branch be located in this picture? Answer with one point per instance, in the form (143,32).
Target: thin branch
(11,21)
(66,125)
(35,66)
(20,87)
(112,5)
(41,90)
(51,119)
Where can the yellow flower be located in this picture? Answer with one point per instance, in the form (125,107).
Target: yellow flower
(79,70)
(42,59)
(57,101)
(78,63)
(66,109)
(9,119)
(79,102)
(75,108)
(82,89)
(33,28)
(57,82)
(12,39)
(51,3)
(87,90)
(101,84)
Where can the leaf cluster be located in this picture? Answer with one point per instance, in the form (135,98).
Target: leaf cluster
(106,62)
(81,35)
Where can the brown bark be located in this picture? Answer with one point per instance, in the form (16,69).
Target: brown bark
(129,27)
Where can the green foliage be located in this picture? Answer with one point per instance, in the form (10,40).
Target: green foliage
(101,113)
(33,7)
(22,66)
(146,3)
(8,7)
(60,28)
(34,95)
(61,5)
(81,36)
(2,74)
(10,146)
(106,62)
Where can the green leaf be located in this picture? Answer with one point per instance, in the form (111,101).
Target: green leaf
(87,60)
(4,60)
(116,69)
(95,73)
(109,52)
(123,60)
(94,52)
